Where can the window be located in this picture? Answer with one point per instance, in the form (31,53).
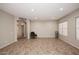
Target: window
(63,28)
(60,29)
(77,28)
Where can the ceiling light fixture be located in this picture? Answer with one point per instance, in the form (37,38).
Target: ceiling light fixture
(61,9)
(32,10)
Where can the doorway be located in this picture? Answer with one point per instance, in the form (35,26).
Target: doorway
(21,29)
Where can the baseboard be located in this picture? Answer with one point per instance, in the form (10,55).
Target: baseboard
(45,37)
(70,43)
(7,44)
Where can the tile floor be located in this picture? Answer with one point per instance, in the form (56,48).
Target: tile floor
(39,47)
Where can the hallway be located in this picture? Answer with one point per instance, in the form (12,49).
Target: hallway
(39,47)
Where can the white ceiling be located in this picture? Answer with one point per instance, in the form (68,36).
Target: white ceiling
(39,11)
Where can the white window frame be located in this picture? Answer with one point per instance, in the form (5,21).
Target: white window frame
(77,28)
(60,29)
(63,29)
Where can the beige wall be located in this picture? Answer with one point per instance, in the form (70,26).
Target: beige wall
(71,38)
(7,29)
(44,29)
